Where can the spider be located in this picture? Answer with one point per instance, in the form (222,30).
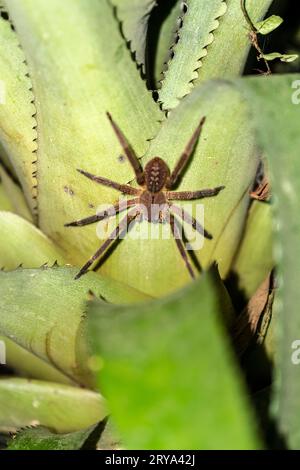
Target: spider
(156,182)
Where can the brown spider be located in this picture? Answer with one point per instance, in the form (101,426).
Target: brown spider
(156,182)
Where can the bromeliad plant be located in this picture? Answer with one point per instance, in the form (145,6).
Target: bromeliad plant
(163,350)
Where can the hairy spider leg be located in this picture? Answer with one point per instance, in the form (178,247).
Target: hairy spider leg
(180,245)
(189,219)
(109,212)
(191,195)
(120,230)
(185,156)
(123,188)
(130,154)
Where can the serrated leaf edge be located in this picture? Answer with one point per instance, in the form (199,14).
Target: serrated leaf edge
(129,42)
(203,53)
(23,60)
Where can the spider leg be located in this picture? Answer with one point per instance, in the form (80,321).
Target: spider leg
(123,188)
(189,219)
(119,231)
(190,195)
(176,234)
(133,160)
(109,212)
(185,156)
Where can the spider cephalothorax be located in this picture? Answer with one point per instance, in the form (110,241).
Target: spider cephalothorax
(152,201)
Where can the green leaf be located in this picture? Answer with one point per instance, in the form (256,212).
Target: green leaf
(16,195)
(268,25)
(5,202)
(255,258)
(221,53)
(228,53)
(168,35)
(282,57)
(276,112)
(168,372)
(78,75)
(43,439)
(17,122)
(43,311)
(4,159)
(60,407)
(134,17)
(199,24)
(22,243)
(26,364)
(217,161)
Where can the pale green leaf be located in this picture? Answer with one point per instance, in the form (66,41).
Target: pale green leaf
(16,195)
(228,53)
(168,372)
(5,202)
(255,258)
(23,243)
(134,17)
(26,364)
(282,57)
(268,25)
(199,24)
(228,46)
(4,159)
(60,407)
(78,75)
(17,124)
(167,37)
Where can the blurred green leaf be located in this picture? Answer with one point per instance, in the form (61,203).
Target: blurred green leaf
(268,25)
(43,311)
(60,407)
(276,113)
(43,439)
(169,373)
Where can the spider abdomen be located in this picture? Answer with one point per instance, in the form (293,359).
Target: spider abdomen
(156,174)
